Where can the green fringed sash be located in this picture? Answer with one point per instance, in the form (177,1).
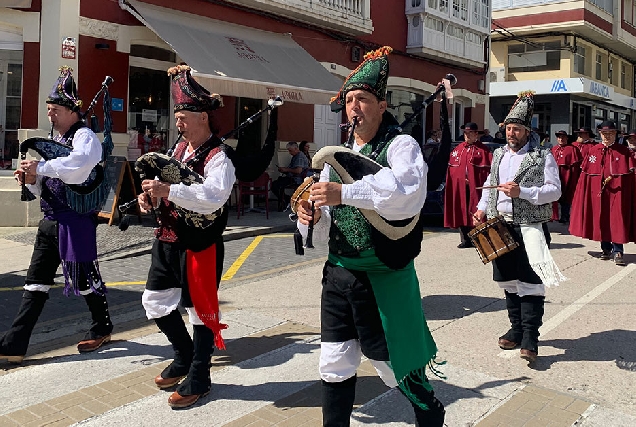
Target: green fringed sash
(409,341)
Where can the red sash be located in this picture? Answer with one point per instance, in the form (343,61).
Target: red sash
(202,282)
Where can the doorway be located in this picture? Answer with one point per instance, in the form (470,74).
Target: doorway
(10,107)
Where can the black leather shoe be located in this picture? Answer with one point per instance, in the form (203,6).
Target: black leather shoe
(605,255)
(618,259)
(464,245)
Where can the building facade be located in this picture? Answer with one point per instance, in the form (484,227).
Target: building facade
(578,56)
(240,49)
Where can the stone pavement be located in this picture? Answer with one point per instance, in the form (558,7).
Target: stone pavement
(585,374)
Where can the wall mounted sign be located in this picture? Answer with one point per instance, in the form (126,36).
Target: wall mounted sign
(68,48)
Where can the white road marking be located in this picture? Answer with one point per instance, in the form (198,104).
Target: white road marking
(568,311)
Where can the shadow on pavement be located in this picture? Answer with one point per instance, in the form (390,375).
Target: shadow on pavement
(447,307)
(615,345)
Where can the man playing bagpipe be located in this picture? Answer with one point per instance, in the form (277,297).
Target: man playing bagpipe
(186,259)
(64,235)
(371,303)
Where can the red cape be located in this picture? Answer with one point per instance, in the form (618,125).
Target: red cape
(608,214)
(569,159)
(584,147)
(467,163)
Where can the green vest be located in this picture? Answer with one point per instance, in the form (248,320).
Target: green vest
(350,233)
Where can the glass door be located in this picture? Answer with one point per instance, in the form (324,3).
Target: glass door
(10,109)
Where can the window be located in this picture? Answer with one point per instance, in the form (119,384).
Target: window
(443,5)
(455,31)
(434,24)
(535,57)
(485,13)
(416,3)
(599,66)
(460,9)
(432,4)
(473,37)
(579,60)
(623,76)
(606,5)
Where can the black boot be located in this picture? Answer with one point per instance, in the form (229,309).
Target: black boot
(512,338)
(14,344)
(175,330)
(531,320)
(434,415)
(101,326)
(197,383)
(337,402)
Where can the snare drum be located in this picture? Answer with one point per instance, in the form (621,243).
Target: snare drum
(492,239)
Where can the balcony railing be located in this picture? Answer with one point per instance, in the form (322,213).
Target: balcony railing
(347,16)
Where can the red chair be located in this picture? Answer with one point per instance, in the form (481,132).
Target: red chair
(259,187)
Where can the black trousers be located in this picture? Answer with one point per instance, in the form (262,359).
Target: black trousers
(45,259)
(168,268)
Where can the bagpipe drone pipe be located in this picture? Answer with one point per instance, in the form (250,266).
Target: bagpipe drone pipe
(168,169)
(396,243)
(90,195)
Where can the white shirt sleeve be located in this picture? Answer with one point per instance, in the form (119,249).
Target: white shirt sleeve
(321,229)
(485,194)
(77,166)
(550,191)
(36,188)
(206,198)
(395,192)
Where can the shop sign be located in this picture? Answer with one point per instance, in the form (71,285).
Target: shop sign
(287,95)
(244,51)
(117,104)
(599,90)
(68,48)
(559,86)
(148,115)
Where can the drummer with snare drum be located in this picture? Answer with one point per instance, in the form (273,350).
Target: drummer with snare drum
(523,183)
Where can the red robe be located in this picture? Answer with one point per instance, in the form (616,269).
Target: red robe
(609,214)
(584,147)
(469,164)
(568,158)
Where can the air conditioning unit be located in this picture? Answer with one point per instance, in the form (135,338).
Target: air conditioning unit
(498,75)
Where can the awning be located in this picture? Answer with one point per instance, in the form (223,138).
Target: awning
(240,61)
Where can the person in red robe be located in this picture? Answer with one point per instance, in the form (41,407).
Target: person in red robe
(604,205)
(468,168)
(568,158)
(585,140)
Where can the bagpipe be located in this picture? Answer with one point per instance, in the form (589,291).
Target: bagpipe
(352,166)
(170,170)
(90,195)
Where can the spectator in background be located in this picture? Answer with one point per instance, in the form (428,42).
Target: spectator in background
(304,148)
(293,174)
(486,137)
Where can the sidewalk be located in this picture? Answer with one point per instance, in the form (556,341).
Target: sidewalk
(113,243)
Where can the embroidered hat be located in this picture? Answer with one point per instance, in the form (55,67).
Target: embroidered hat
(521,111)
(189,95)
(607,125)
(372,75)
(64,91)
(471,126)
(585,130)
(561,133)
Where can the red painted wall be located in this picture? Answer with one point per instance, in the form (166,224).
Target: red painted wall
(106,10)
(296,122)
(30,85)
(36,6)
(94,65)
(555,18)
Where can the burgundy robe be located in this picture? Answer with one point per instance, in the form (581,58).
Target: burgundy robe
(584,147)
(609,214)
(468,165)
(568,158)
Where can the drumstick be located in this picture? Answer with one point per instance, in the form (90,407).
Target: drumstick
(486,187)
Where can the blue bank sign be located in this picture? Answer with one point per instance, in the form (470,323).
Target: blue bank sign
(599,89)
(559,86)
